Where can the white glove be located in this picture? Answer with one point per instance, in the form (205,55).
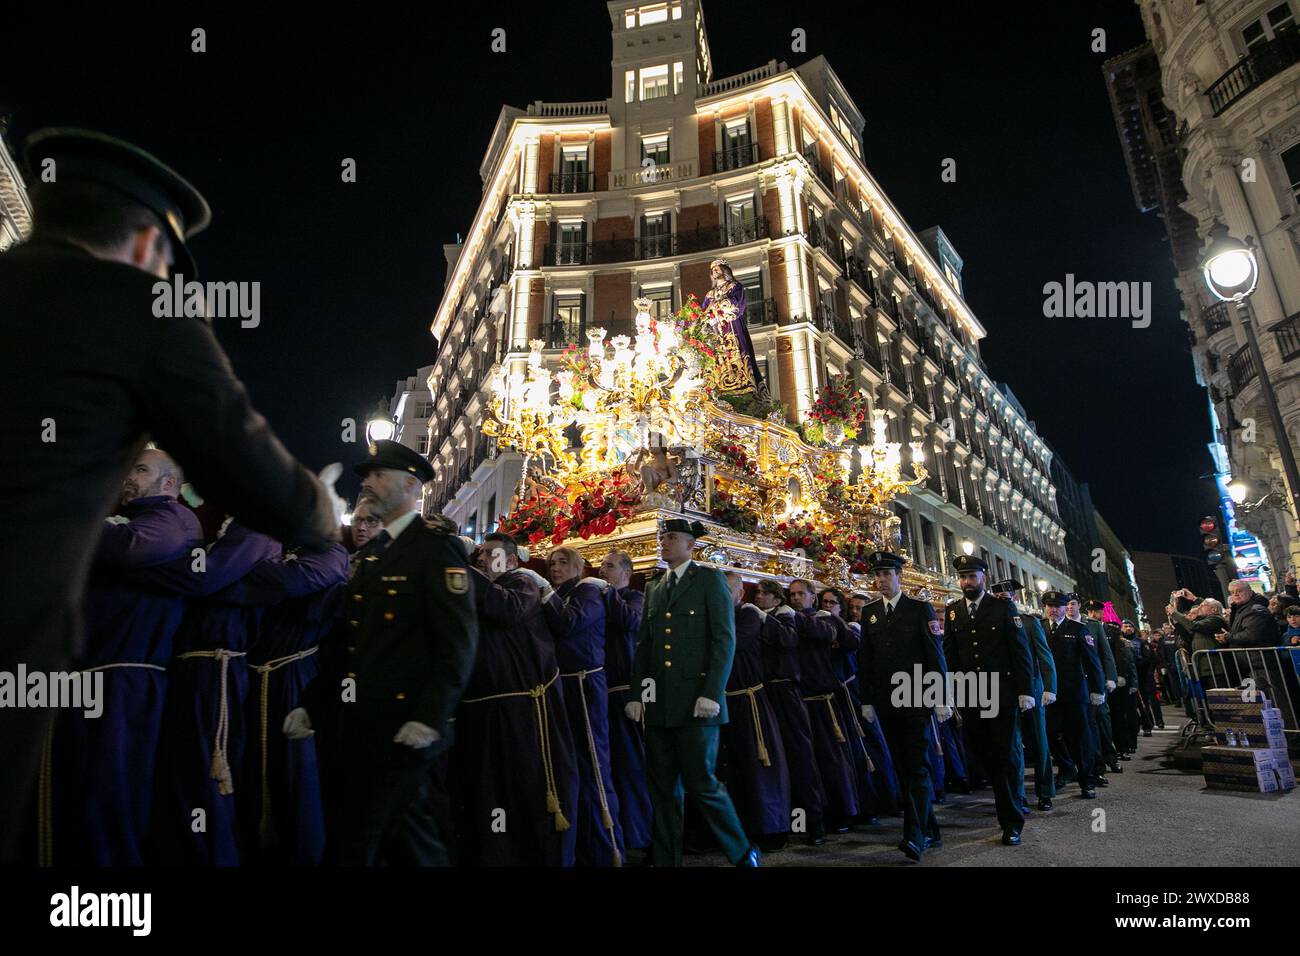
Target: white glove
(1027,702)
(297,724)
(868,713)
(632,710)
(1132,690)
(706,708)
(328,475)
(117,519)
(824,613)
(1120,682)
(942,713)
(1110,686)
(598,582)
(1097,699)
(416,735)
(761,613)
(543,585)
(785,609)
(1048,698)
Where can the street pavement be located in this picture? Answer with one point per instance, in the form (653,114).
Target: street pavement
(1152,814)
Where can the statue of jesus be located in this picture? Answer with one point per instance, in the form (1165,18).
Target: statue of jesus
(728,296)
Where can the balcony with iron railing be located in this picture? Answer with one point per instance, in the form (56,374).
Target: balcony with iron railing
(735,157)
(857,272)
(1241,369)
(1288,337)
(870,347)
(573,182)
(1215,318)
(1264,62)
(819,237)
(561,333)
(629,249)
(814,161)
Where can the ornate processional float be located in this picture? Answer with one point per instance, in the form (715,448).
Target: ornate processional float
(669,423)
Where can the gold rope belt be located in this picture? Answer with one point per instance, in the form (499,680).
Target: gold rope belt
(45,782)
(542,719)
(830,709)
(265,828)
(606,818)
(220,770)
(621,687)
(857,724)
(752,694)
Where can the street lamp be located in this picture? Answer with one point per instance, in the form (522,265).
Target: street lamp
(1231,272)
(1238,491)
(380,426)
(968,547)
(1042,586)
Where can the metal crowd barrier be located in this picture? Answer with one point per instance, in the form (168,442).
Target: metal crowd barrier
(1275,671)
(1199,727)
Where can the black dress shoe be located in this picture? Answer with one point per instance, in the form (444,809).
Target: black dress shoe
(1089,793)
(934,843)
(815,839)
(910,850)
(1125,756)
(1146,733)
(1103,782)
(1011,838)
(1044,803)
(1063,781)
(1116,768)
(750,858)
(1160,726)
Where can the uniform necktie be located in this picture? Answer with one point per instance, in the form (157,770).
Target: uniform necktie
(889,610)
(672,578)
(974,606)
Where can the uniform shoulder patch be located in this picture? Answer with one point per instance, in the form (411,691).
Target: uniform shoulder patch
(457,580)
(1018,622)
(935,628)
(1087,636)
(952,614)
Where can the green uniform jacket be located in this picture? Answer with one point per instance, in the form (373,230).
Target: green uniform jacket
(685,647)
(1103,647)
(1043,653)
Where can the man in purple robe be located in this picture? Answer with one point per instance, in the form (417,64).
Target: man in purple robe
(279,796)
(104,767)
(513,768)
(758,778)
(623,607)
(728,296)
(575,613)
(781,680)
(201,750)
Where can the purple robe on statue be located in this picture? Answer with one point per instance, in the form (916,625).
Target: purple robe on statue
(576,616)
(757,775)
(104,766)
(204,713)
(738,325)
(279,798)
(626,738)
(516,800)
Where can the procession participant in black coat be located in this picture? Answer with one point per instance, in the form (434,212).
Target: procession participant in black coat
(820,686)
(623,607)
(985,644)
(781,680)
(90,372)
(514,769)
(104,766)
(758,778)
(398,660)
(901,637)
(1080,683)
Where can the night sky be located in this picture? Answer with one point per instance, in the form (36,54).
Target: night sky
(352,273)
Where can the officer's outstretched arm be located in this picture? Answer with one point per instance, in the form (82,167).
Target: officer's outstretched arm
(197,409)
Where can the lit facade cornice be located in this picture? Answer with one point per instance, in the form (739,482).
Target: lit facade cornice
(524,130)
(15,207)
(790,85)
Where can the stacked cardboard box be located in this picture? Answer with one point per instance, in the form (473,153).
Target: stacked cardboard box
(1251,753)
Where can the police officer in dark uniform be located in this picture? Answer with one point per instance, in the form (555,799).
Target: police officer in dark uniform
(90,373)
(399,661)
(984,637)
(1080,683)
(901,635)
(1033,722)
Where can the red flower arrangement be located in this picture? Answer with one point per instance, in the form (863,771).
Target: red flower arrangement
(595,510)
(726,511)
(838,402)
(800,533)
(732,453)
